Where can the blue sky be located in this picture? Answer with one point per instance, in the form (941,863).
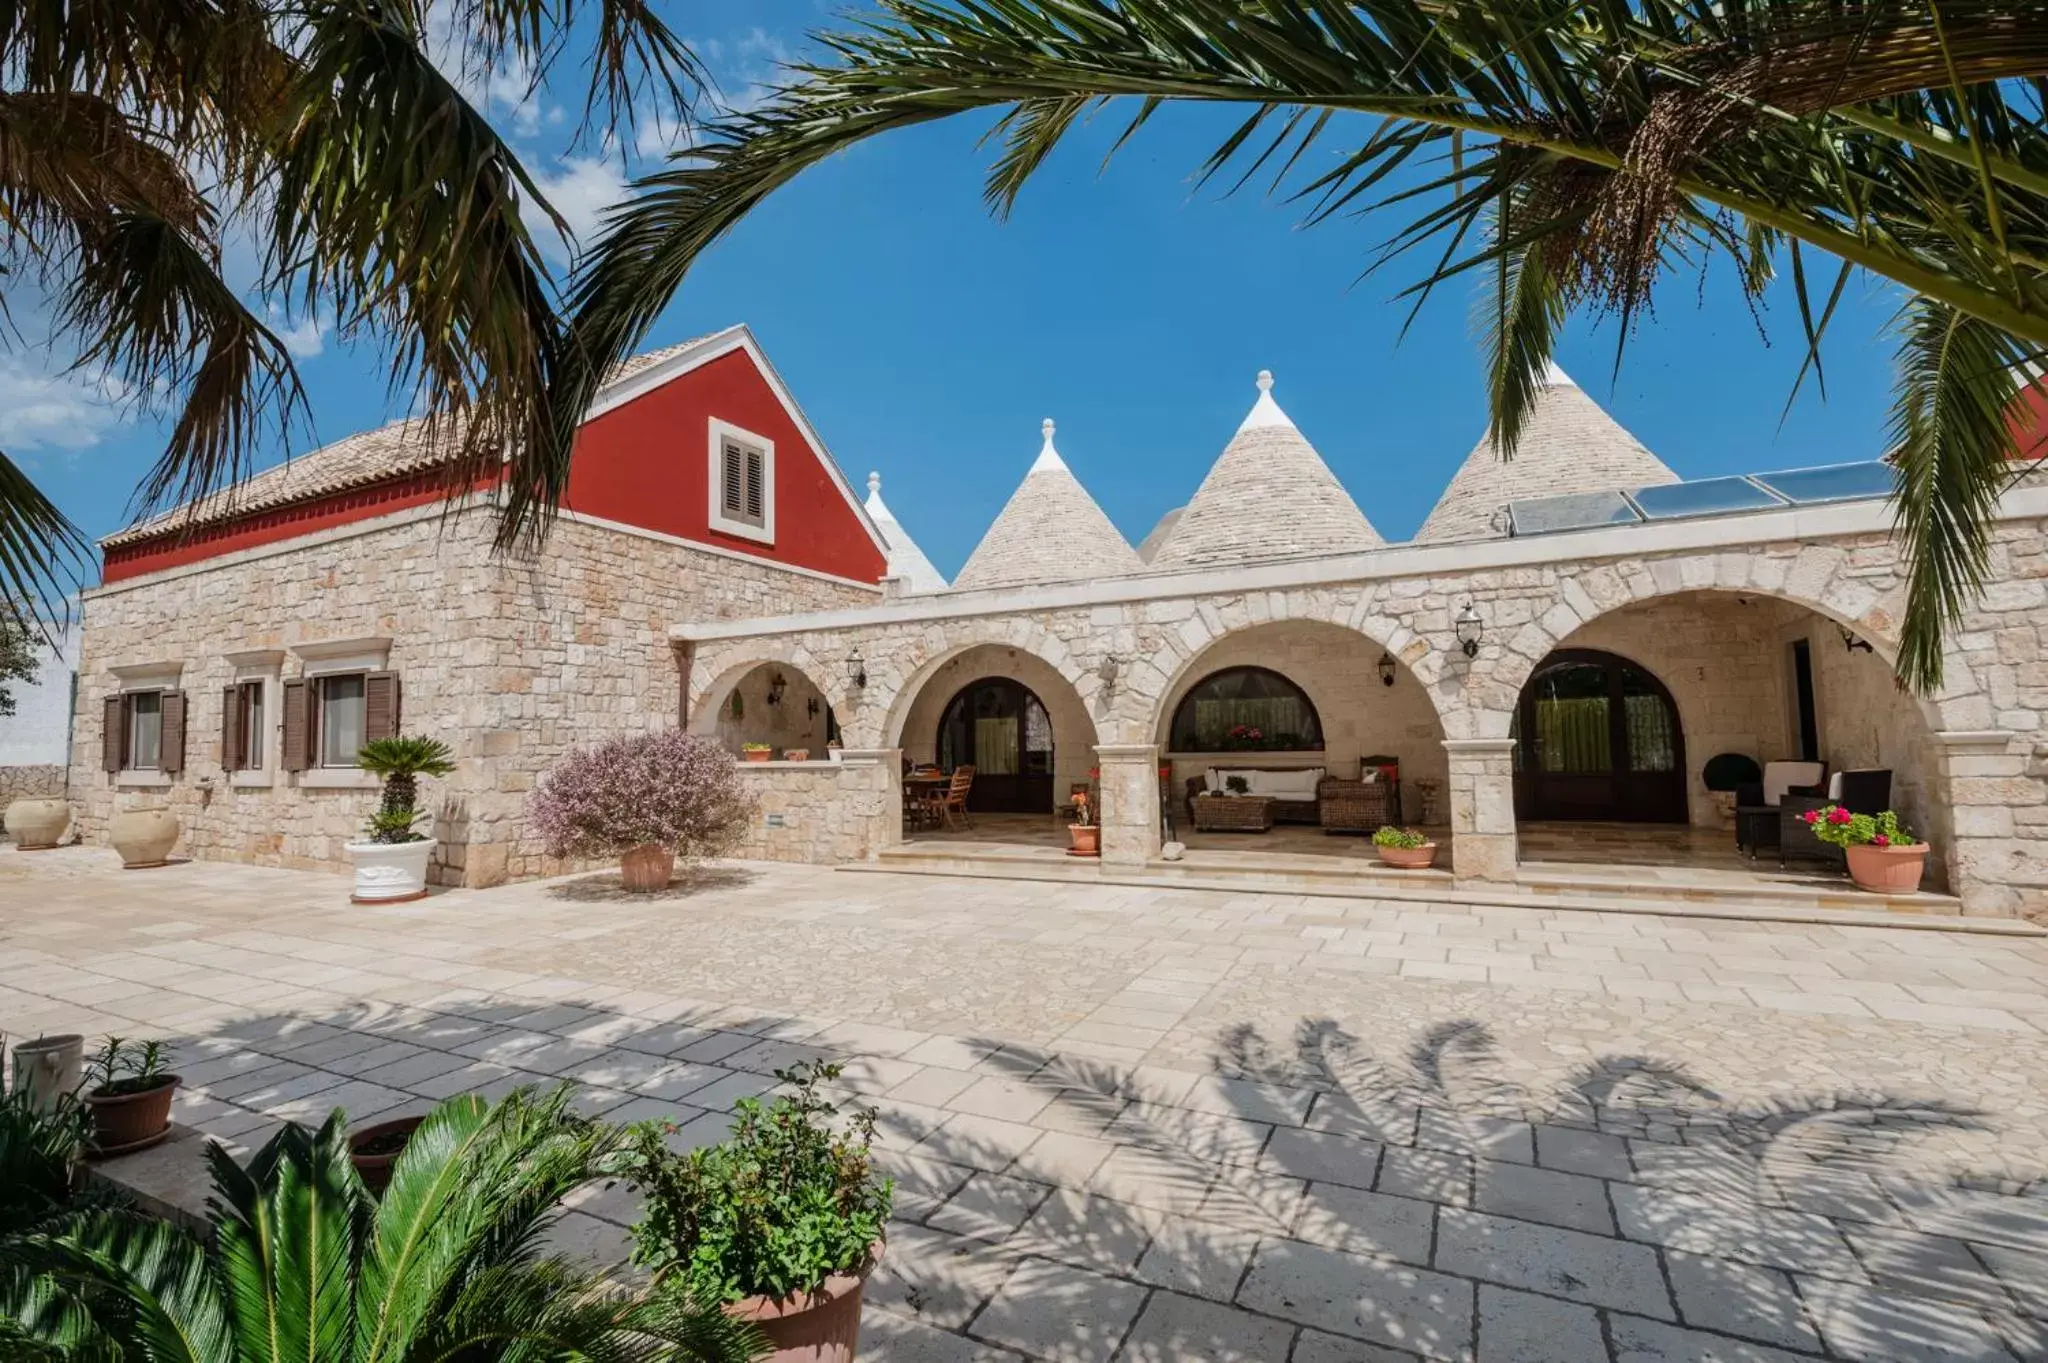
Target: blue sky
(926,340)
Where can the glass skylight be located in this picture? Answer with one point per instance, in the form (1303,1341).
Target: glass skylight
(1573,511)
(1707,497)
(1831,483)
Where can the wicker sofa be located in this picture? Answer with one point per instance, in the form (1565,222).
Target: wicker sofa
(1284,810)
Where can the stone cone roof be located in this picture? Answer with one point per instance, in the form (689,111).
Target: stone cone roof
(1570,444)
(1050,531)
(906,560)
(1269,495)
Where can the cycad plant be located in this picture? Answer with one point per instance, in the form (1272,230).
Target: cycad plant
(400,761)
(304,1265)
(1562,154)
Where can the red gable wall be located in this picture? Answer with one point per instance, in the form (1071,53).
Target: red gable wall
(2030,425)
(647,464)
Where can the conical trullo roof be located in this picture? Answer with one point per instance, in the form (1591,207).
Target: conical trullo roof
(1050,531)
(1569,444)
(1269,495)
(906,560)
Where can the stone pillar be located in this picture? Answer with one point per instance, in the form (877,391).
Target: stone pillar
(1482,795)
(1995,866)
(871,785)
(1129,802)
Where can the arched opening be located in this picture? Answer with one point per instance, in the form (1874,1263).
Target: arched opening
(1597,737)
(771,707)
(1246,709)
(1000,727)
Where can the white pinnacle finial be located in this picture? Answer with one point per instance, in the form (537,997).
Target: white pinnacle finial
(1048,457)
(1265,412)
(874,484)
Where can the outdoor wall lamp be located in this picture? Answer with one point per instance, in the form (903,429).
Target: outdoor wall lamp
(1853,641)
(856,668)
(777,684)
(1387,668)
(1469,627)
(1108,669)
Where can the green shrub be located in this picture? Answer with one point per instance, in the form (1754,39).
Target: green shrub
(124,1066)
(782,1205)
(39,1153)
(1390,836)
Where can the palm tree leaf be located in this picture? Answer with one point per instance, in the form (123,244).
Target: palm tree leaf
(155,1273)
(287,1231)
(1519,336)
(43,556)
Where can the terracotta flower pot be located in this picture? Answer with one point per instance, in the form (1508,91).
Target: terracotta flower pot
(376,1148)
(122,1122)
(36,824)
(756,754)
(796,754)
(647,868)
(1087,841)
(1408,858)
(144,837)
(822,1327)
(1887,870)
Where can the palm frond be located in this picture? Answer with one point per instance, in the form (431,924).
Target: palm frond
(43,556)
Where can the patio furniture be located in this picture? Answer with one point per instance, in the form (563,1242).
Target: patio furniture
(1864,791)
(923,796)
(1358,806)
(1291,789)
(1065,813)
(1232,813)
(954,799)
(1756,805)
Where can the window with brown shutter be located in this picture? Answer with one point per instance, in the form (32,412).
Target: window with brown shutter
(114,733)
(171,753)
(231,729)
(297,752)
(733,479)
(756,491)
(380,706)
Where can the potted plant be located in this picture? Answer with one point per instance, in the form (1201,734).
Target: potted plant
(1244,738)
(796,754)
(36,823)
(645,799)
(1408,848)
(782,1223)
(40,1149)
(1085,833)
(374,1149)
(1237,785)
(391,865)
(758,752)
(1883,856)
(129,1093)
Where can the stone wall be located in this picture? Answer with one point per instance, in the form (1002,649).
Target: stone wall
(822,812)
(509,661)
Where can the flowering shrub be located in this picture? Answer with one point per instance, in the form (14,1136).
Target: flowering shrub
(1389,836)
(671,789)
(1837,825)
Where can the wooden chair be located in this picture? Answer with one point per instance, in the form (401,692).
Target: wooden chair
(954,797)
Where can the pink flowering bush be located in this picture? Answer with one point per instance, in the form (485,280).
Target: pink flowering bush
(671,789)
(1837,825)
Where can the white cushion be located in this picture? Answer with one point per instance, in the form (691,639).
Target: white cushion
(1835,786)
(1780,777)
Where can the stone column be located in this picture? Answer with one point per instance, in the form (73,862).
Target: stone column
(871,788)
(1129,800)
(1995,866)
(1482,795)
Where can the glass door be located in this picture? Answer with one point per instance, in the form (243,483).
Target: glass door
(1003,730)
(1598,738)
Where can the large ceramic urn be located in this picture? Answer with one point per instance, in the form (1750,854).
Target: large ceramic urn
(144,836)
(36,823)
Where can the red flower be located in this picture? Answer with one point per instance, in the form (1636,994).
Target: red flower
(1839,815)
(1880,841)
(1810,816)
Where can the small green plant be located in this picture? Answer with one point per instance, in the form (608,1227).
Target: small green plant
(1237,785)
(124,1066)
(1837,825)
(1408,838)
(401,761)
(39,1152)
(757,747)
(774,1211)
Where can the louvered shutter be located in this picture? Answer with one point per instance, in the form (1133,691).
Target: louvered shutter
(231,729)
(171,761)
(114,736)
(733,492)
(380,706)
(756,493)
(298,728)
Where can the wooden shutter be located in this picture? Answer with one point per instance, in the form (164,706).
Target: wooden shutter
(171,760)
(757,495)
(298,727)
(231,729)
(380,706)
(733,481)
(114,736)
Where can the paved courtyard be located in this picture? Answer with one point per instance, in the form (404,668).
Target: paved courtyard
(1152,1124)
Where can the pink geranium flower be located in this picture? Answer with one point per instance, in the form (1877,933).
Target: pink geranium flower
(1839,815)
(1880,841)
(1810,816)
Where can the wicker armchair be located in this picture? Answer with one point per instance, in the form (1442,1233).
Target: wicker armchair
(1357,806)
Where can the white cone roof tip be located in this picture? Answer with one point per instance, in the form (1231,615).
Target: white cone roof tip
(1269,495)
(1555,377)
(905,559)
(1050,530)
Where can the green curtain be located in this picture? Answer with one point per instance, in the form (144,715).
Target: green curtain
(995,746)
(1574,734)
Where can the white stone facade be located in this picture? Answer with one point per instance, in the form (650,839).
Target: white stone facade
(1710,606)
(510,661)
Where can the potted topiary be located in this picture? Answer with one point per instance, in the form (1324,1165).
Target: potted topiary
(645,799)
(391,865)
(758,752)
(782,1223)
(1085,833)
(1408,848)
(1883,856)
(129,1093)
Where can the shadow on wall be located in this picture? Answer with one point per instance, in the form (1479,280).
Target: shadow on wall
(1308,1194)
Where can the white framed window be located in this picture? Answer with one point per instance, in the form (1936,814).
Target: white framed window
(340,727)
(742,482)
(145,730)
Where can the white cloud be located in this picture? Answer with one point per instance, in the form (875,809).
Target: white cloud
(583,189)
(49,407)
(303,339)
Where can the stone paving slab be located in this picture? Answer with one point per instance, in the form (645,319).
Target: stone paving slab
(1278,1156)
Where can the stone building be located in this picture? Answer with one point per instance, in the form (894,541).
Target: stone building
(1567,642)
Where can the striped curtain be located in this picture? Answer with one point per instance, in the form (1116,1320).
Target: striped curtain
(1574,734)
(1270,715)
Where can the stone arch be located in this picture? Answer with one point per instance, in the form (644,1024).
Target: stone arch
(916,719)
(716,679)
(905,670)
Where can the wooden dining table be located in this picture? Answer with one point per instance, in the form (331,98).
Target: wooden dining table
(918,789)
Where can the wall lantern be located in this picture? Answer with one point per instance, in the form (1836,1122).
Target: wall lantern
(856,668)
(777,684)
(1854,642)
(1107,670)
(1469,627)
(1387,669)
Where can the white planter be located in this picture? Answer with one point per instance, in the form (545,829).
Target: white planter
(390,872)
